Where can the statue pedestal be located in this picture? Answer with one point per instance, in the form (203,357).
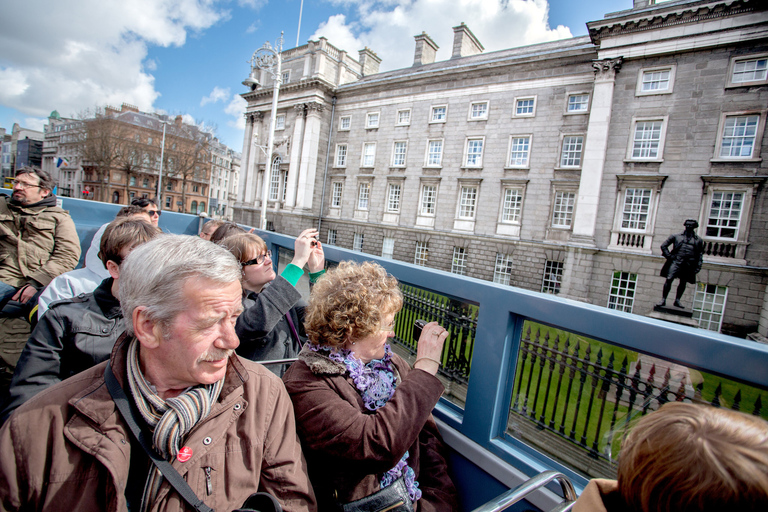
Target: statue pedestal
(675,315)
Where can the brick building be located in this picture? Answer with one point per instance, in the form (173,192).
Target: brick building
(557,167)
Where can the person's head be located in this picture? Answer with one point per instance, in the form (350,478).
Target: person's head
(120,237)
(686,457)
(690,224)
(150,206)
(224,230)
(353,303)
(209,227)
(31,185)
(251,251)
(180,297)
(133,212)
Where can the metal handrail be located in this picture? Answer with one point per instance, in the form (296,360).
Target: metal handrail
(279,361)
(512,496)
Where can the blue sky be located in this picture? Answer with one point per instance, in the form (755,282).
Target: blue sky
(189,56)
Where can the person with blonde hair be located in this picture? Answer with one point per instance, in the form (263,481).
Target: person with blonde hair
(364,415)
(687,458)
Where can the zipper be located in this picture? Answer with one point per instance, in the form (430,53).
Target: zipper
(208,483)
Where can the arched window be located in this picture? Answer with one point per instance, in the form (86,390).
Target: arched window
(274,180)
(116,197)
(194,206)
(202,207)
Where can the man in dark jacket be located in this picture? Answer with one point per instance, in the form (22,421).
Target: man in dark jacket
(683,261)
(77,333)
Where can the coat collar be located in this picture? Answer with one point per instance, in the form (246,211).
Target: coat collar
(320,364)
(107,302)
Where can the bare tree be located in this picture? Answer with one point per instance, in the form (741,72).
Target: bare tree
(103,148)
(189,160)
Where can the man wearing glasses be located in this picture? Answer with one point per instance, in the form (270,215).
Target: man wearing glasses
(149,206)
(38,241)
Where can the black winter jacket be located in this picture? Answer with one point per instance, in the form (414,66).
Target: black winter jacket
(73,335)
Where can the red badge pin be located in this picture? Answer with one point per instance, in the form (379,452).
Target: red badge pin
(184,454)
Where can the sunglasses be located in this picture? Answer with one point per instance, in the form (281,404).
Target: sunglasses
(152,213)
(258,260)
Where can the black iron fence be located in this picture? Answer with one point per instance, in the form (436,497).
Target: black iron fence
(571,387)
(457,317)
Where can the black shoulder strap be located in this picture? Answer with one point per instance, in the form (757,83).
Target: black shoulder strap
(170,474)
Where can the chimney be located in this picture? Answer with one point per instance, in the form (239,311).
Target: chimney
(640,4)
(425,50)
(369,62)
(464,42)
(126,107)
(178,120)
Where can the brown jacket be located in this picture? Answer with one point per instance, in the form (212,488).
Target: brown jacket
(68,449)
(348,447)
(37,243)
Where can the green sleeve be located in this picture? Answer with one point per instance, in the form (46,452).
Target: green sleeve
(314,276)
(292,273)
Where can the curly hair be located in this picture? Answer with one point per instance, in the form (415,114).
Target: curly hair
(686,457)
(349,303)
(244,245)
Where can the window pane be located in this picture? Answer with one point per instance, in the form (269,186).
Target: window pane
(398,157)
(336,195)
(637,202)
(502,271)
(362,197)
(459,261)
(513,201)
(388,247)
(518,154)
(435,154)
(571,156)
(422,254)
(739,135)
(357,243)
(393,198)
(369,154)
(622,294)
(479,110)
(553,277)
(524,106)
(708,305)
(656,80)
(474,152)
(724,214)
(468,202)
(428,199)
(562,213)
(331,237)
(578,102)
(438,113)
(750,70)
(646,139)
(341,155)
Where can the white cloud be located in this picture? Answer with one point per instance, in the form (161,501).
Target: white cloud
(235,108)
(35,123)
(388,27)
(217,94)
(90,52)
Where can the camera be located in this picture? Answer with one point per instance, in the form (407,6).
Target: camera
(418,326)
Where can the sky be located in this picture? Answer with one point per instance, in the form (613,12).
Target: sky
(189,57)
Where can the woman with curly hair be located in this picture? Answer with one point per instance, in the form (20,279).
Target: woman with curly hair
(363,414)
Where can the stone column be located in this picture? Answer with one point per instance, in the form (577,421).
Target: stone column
(762,327)
(594,151)
(295,156)
(247,191)
(309,149)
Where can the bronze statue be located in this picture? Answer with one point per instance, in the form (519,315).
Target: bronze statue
(683,261)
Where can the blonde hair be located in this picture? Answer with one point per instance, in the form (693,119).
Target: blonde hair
(688,457)
(349,303)
(243,245)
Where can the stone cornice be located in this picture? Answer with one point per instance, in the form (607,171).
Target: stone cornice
(664,15)
(309,83)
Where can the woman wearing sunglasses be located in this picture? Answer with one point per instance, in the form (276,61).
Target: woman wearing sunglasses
(271,326)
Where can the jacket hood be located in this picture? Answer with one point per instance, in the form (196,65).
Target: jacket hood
(92,260)
(320,364)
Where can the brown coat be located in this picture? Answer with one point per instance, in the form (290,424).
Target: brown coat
(68,449)
(348,447)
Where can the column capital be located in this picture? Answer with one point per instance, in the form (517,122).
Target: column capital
(254,116)
(314,107)
(606,69)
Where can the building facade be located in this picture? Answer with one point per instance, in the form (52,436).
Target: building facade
(21,147)
(225,175)
(558,167)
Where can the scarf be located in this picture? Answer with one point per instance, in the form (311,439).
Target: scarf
(171,419)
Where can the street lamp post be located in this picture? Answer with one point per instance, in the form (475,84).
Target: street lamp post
(160,175)
(267,58)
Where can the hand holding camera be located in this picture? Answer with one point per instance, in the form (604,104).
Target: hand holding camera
(430,345)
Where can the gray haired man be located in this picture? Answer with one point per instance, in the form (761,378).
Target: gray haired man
(225,424)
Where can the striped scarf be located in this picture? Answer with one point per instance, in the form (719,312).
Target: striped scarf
(171,419)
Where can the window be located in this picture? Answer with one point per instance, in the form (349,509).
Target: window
(428,199)
(422,254)
(193,207)
(398,154)
(362,196)
(274,180)
(145,183)
(648,139)
(372,120)
(519,150)
(637,203)
(578,103)
(403,117)
(168,202)
(286,76)
(525,107)
(502,272)
(132,181)
(369,154)
(280,122)
(478,111)
(331,238)
(724,215)
(169,185)
(474,152)
(709,305)
(149,140)
(338,188)
(562,212)
(393,198)
(439,114)
(622,294)
(434,153)
(388,247)
(341,155)
(553,277)
(513,205)
(655,81)
(467,202)
(344,123)
(357,243)
(749,70)
(738,136)
(459,261)
(571,154)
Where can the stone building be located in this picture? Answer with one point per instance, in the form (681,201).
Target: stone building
(133,159)
(558,167)
(225,175)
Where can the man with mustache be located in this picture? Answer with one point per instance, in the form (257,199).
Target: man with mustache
(225,424)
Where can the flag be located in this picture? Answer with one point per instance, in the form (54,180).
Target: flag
(62,162)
